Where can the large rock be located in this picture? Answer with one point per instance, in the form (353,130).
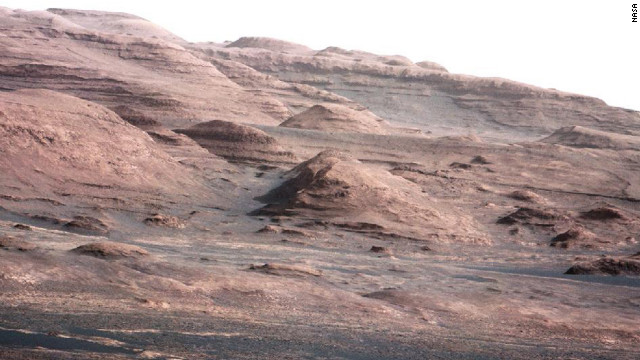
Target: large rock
(577,236)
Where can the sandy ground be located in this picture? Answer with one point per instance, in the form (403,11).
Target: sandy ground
(195,296)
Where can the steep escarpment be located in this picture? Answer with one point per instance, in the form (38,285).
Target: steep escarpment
(296,97)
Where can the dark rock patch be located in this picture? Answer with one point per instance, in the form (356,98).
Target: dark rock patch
(380,250)
(575,237)
(531,216)
(459,165)
(165,221)
(360,226)
(11,243)
(603,213)
(608,266)
(481,160)
(286,270)
(22,227)
(86,225)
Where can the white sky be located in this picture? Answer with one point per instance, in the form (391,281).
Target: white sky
(587,47)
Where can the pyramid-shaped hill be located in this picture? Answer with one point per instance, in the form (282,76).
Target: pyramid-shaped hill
(338,118)
(355,196)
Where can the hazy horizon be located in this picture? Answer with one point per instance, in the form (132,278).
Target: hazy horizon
(583,47)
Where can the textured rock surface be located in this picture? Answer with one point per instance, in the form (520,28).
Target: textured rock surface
(68,163)
(11,243)
(576,237)
(117,23)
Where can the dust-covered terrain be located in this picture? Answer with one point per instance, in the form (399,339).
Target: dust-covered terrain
(161,199)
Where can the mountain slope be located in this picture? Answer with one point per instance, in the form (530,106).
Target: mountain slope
(157,78)
(61,154)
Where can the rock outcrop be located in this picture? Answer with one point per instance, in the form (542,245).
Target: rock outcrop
(577,236)
(332,185)
(269,44)
(237,142)
(111,250)
(608,265)
(11,243)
